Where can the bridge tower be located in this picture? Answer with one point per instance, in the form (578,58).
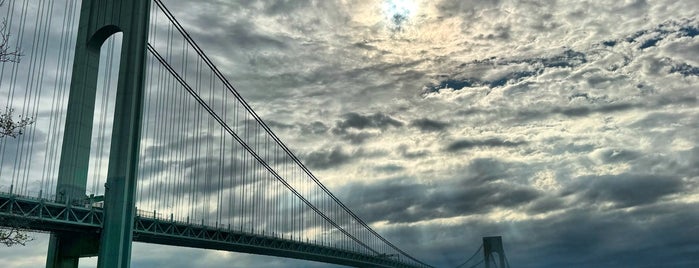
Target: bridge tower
(99,20)
(493,244)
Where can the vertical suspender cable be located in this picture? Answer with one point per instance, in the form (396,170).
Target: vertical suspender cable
(247,147)
(57,98)
(256,117)
(42,69)
(13,85)
(10,11)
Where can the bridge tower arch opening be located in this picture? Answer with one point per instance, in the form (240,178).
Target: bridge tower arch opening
(99,20)
(103,118)
(493,249)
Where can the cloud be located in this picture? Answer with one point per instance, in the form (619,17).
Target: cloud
(315,128)
(324,159)
(397,201)
(405,152)
(357,121)
(285,6)
(685,69)
(572,112)
(511,70)
(356,128)
(626,190)
(597,114)
(389,168)
(276,125)
(478,189)
(490,142)
(428,125)
(612,155)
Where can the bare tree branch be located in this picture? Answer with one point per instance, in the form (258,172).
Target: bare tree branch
(15,235)
(11,128)
(7,54)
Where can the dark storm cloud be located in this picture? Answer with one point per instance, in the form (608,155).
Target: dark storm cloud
(400,200)
(284,6)
(210,161)
(613,156)
(376,121)
(324,159)
(461,8)
(545,204)
(241,34)
(406,152)
(599,238)
(491,142)
(428,125)
(643,39)
(475,111)
(654,119)
(675,66)
(366,78)
(11,147)
(365,45)
(202,173)
(150,167)
(692,158)
(315,128)
(500,32)
(576,238)
(685,69)
(390,168)
(485,185)
(625,190)
(527,114)
(276,125)
(181,144)
(356,138)
(585,111)
(352,126)
(561,147)
(534,66)
(568,58)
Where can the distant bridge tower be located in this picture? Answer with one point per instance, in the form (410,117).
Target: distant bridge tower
(493,244)
(100,19)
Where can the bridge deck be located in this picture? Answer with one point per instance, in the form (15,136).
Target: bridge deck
(50,216)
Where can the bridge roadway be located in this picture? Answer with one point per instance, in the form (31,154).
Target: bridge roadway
(50,216)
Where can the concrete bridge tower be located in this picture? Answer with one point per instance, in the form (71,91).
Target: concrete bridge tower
(493,244)
(100,19)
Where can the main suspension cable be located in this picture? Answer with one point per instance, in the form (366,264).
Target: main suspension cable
(228,85)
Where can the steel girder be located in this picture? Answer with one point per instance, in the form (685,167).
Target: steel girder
(46,215)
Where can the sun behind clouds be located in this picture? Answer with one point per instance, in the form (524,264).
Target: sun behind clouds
(398,12)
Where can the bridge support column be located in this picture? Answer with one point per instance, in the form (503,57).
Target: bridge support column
(55,258)
(493,244)
(99,20)
(66,249)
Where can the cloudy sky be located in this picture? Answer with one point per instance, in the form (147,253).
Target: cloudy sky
(570,128)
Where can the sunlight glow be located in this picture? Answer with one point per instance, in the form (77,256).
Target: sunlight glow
(398,12)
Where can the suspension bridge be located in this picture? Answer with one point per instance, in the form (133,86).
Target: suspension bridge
(138,136)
